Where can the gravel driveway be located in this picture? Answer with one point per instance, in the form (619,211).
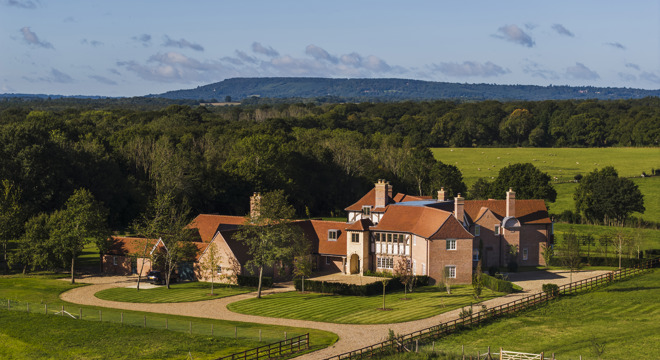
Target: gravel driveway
(351,337)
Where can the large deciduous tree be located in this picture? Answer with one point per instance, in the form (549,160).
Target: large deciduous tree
(270,236)
(527,181)
(603,196)
(82,219)
(11,225)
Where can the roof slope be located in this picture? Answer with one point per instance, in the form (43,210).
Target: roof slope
(527,211)
(316,231)
(208,225)
(424,221)
(124,245)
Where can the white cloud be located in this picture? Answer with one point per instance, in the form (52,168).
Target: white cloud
(32,39)
(260,49)
(144,39)
(536,70)
(469,69)
(24,4)
(581,72)
(320,54)
(103,80)
(515,34)
(182,43)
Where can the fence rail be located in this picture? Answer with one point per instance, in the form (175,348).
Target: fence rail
(405,342)
(274,350)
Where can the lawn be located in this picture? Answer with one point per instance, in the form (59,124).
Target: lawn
(647,238)
(183,292)
(424,302)
(623,318)
(564,164)
(44,290)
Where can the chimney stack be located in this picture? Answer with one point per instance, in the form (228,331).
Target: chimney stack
(442,195)
(511,203)
(459,208)
(383,189)
(255,203)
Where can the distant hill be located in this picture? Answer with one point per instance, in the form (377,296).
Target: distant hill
(393,90)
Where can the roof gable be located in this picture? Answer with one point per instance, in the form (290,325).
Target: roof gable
(419,220)
(527,211)
(208,225)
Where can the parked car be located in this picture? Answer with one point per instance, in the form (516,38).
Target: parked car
(158,278)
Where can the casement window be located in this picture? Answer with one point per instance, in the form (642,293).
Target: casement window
(451,244)
(385,262)
(450,271)
(114,260)
(366,210)
(389,238)
(525,253)
(475,255)
(477,230)
(218,269)
(355,237)
(497,230)
(333,235)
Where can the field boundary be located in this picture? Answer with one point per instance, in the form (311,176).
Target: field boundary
(274,350)
(405,342)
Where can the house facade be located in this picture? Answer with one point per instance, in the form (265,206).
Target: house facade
(441,238)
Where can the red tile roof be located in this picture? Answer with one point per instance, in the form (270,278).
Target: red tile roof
(121,245)
(369,199)
(527,211)
(208,225)
(360,225)
(424,221)
(316,231)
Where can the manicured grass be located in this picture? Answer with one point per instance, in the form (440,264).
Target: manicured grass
(40,290)
(623,317)
(648,238)
(423,303)
(184,292)
(564,164)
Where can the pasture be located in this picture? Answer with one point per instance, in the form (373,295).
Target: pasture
(621,321)
(562,164)
(183,292)
(422,303)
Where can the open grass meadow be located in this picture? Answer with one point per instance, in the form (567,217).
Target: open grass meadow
(424,302)
(621,321)
(647,239)
(114,332)
(183,292)
(562,164)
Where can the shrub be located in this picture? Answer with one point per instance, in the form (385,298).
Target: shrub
(253,281)
(465,313)
(375,288)
(551,289)
(512,266)
(379,274)
(497,284)
(492,270)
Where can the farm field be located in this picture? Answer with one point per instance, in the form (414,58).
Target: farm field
(648,238)
(30,336)
(562,164)
(183,292)
(424,302)
(622,320)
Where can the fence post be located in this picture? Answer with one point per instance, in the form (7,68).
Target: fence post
(211,329)
(80,313)
(62,313)
(8,304)
(121,318)
(190,327)
(285,335)
(46,309)
(100,316)
(259,335)
(236,332)
(166,324)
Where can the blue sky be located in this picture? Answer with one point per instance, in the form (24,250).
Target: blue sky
(132,48)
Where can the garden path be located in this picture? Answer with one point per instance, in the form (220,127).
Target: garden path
(351,336)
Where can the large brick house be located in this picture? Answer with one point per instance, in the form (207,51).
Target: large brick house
(434,236)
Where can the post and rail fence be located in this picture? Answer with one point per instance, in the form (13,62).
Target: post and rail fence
(405,342)
(274,350)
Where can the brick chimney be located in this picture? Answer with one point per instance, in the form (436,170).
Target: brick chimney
(383,189)
(459,208)
(442,195)
(255,203)
(511,203)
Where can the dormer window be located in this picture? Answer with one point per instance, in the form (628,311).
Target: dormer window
(497,229)
(366,210)
(333,235)
(477,230)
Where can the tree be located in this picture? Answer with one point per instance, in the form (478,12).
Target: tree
(478,282)
(384,281)
(527,181)
(82,219)
(403,271)
(11,225)
(605,240)
(588,240)
(568,251)
(270,236)
(302,266)
(227,98)
(34,247)
(210,263)
(516,128)
(480,190)
(603,196)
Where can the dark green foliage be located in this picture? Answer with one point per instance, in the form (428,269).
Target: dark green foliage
(375,288)
(526,180)
(253,281)
(551,289)
(497,284)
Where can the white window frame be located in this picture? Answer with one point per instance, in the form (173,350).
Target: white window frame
(450,270)
(475,255)
(355,237)
(218,269)
(525,254)
(451,244)
(497,230)
(366,210)
(333,235)
(477,230)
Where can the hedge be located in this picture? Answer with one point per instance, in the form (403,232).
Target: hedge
(253,281)
(375,288)
(497,284)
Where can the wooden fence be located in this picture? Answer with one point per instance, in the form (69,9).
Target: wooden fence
(512,355)
(274,350)
(405,342)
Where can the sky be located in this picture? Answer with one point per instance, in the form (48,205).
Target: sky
(134,47)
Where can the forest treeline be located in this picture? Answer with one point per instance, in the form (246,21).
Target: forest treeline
(323,156)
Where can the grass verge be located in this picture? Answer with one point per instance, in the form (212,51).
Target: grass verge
(183,292)
(424,302)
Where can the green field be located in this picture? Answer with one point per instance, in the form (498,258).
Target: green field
(35,333)
(562,164)
(622,319)
(424,302)
(184,292)
(647,238)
